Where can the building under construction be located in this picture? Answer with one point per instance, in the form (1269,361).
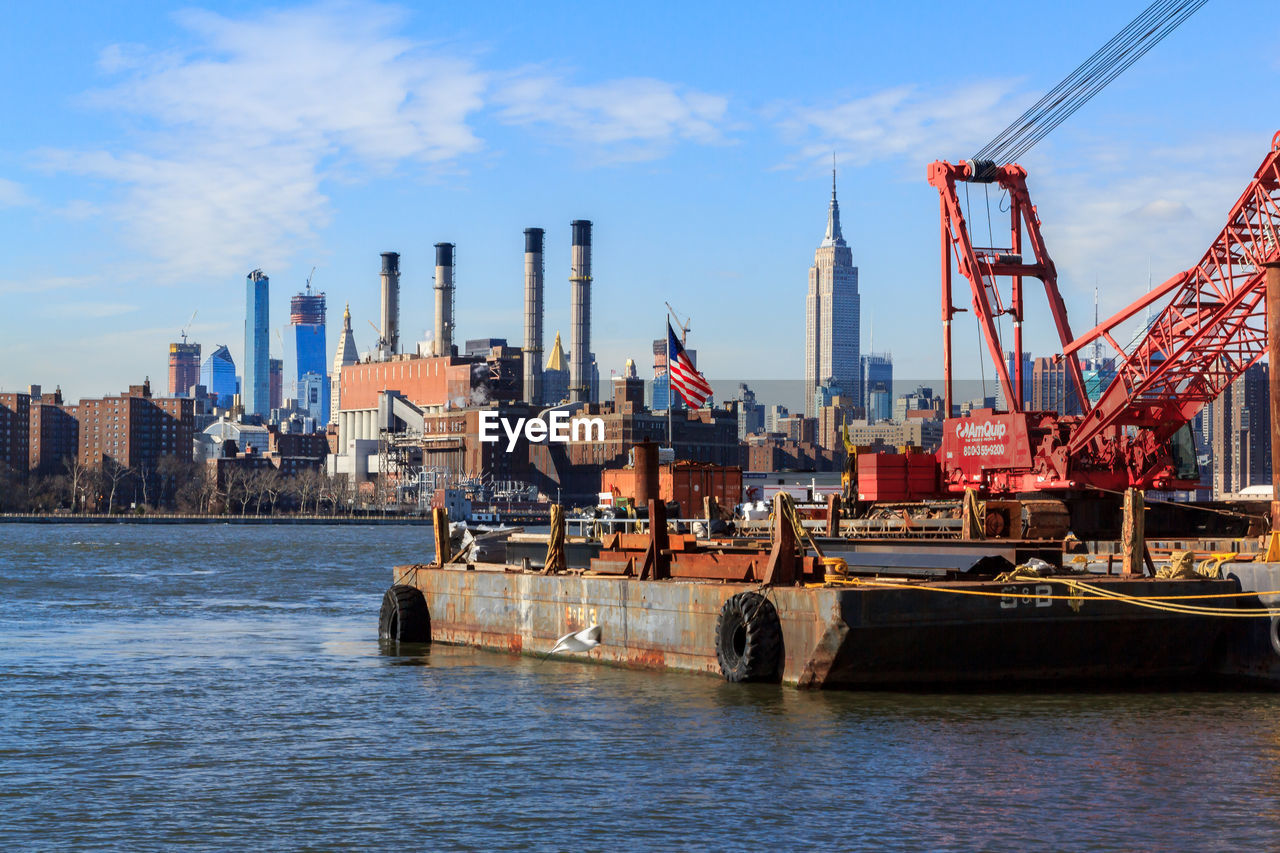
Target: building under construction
(184,368)
(307,316)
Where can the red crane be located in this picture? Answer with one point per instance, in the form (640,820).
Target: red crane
(1210,328)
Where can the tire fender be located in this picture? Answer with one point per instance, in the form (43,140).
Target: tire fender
(749,638)
(404,617)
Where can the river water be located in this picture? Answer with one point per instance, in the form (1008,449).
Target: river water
(214,686)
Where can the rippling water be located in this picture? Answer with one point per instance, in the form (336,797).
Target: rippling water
(221,686)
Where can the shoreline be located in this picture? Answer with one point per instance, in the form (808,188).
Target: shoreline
(37,518)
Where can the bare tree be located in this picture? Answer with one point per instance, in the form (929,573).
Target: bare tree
(334,491)
(43,492)
(191,495)
(113,474)
(174,472)
(311,485)
(146,479)
(236,487)
(77,480)
(12,495)
(273,486)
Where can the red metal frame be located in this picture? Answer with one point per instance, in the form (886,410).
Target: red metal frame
(984,266)
(1212,327)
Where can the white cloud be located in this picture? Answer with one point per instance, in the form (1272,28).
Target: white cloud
(239,134)
(1116,211)
(86,309)
(12,194)
(907,123)
(626,119)
(44,284)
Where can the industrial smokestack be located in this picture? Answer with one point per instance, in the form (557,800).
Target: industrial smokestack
(580,311)
(389,342)
(533,315)
(443,340)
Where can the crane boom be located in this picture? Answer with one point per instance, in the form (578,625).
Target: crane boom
(1212,328)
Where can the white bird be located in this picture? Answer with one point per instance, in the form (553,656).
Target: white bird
(578,641)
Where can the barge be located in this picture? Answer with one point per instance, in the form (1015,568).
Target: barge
(831,613)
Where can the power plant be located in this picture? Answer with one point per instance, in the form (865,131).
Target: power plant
(580,312)
(533,315)
(442,341)
(389,325)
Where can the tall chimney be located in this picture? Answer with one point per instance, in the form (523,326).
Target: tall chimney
(443,341)
(533,316)
(389,343)
(580,311)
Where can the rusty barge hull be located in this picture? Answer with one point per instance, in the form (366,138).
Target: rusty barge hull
(836,636)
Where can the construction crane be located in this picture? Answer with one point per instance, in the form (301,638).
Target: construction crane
(187,327)
(1025,451)
(684,327)
(1209,326)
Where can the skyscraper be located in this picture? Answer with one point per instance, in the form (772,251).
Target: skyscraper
(307,316)
(832,314)
(1011,364)
(218,376)
(184,368)
(275,382)
(345,355)
(877,377)
(1241,430)
(256,389)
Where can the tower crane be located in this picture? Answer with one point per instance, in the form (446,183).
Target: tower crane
(684,327)
(187,327)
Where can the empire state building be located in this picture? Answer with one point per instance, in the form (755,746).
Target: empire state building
(832,315)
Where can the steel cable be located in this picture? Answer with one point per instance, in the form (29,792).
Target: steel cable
(1144,32)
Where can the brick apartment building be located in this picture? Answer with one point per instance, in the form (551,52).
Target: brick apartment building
(54,434)
(15,432)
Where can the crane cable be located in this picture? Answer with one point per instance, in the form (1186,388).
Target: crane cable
(1144,32)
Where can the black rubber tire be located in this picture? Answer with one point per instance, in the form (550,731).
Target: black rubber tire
(404,617)
(749,638)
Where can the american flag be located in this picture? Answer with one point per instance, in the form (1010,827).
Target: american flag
(685,378)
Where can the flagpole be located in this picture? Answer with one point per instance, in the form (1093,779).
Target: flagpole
(670,388)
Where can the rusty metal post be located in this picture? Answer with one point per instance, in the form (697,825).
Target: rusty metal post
(1132,544)
(644,464)
(556,559)
(658,557)
(781,568)
(1273,355)
(833,515)
(440,527)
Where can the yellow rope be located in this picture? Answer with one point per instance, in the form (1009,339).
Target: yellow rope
(1152,603)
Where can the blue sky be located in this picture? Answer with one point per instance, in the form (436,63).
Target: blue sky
(153,153)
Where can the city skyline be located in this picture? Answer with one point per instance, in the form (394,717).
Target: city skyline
(137,188)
